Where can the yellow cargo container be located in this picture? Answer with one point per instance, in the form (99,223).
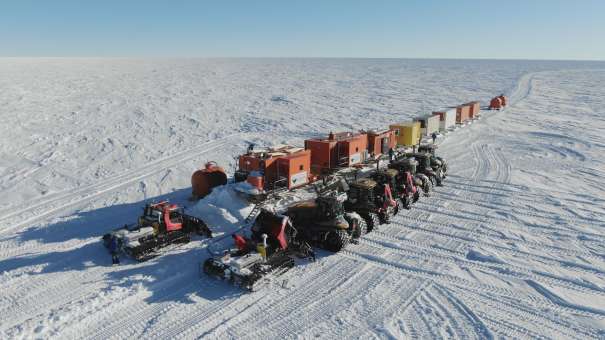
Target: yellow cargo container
(407,134)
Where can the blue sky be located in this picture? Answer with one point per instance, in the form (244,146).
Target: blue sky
(538,29)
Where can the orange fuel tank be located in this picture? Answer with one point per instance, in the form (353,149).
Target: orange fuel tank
(203,180)
(495,103)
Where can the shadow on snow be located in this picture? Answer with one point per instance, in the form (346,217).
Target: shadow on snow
(173,276)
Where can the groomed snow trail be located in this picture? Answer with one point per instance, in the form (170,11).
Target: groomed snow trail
(512,246)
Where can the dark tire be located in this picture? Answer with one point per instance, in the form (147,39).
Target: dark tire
(372,221)
(417,195)
(362,228)
(336,240)
(426,188)
(439,178)
(399,205)
(106,240)
(358,226)
(385,217)
(406,202)
(443,166)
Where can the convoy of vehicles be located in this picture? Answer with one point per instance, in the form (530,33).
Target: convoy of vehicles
(338,215)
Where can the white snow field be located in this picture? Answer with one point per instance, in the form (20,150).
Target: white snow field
(513,246)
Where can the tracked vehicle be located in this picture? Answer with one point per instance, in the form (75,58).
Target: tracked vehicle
(372,200)
(404,188)
(428,168)
(323,221)
(161,225)
(268,253)
(410,165)
(437,163)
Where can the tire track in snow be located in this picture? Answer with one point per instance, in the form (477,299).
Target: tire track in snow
(80,195)
(330,285)
(500,270)
(506,269)
(517,311)
(368,256)
(479,228)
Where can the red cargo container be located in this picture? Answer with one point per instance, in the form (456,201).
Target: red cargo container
(338,150)
(462,113)
(380,142)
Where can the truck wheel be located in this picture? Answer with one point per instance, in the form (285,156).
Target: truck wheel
(406,202)
(426,187)
(399,204)
(336,240)
(439,178)
(362,228)
(416,196)
(372,221)
(357,224)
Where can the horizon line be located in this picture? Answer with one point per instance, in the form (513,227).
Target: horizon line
(291,57)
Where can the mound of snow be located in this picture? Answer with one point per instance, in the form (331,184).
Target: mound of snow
(224,210)
(475,255)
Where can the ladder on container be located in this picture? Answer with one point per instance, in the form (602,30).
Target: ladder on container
(255,211)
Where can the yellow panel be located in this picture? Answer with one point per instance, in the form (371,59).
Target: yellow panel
(408,134)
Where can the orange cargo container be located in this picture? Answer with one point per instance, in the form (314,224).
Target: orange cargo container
(256,161)
(462,113)
(474,109)
(284,166)
(338,150)
(295,168)
(380,142)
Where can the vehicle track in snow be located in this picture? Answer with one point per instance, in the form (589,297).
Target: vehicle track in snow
(305,305)
(480,227)
(48,206)
(370,257)
(539,275)
(501,270)
(535,321)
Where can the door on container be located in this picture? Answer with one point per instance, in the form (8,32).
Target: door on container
(385,145)
(283,172)
(343,154)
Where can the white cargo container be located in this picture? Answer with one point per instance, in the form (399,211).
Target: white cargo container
(428,124)
(447,118)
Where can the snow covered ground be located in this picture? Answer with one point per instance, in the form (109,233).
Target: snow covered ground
(512,246)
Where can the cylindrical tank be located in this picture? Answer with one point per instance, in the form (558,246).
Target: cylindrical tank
(495,103)
(203,180)
(257,180)
(503,100)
